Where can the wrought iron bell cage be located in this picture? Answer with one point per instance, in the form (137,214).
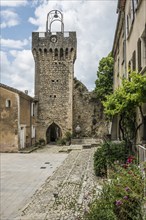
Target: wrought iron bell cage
(52,16)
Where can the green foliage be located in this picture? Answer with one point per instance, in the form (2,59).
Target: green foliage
(104,82)
(121,197)
(68,136)
(42,141)
(131,94)
(61,141)
(66,139)
(123,102)
(107,155)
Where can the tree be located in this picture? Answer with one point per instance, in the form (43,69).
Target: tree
(104,82)
(124,102)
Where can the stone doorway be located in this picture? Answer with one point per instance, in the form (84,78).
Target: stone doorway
(53,133)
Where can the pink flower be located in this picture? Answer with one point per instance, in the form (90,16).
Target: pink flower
(125,197)
(127,189)
(119,202)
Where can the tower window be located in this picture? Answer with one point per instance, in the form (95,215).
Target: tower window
(8,103)
(50,50)
(56,53)
(52,80)
(50,96)
(61,54)
(45,50)
(66,52)
(54,96)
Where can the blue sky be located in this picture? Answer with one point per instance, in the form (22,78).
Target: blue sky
(94,22)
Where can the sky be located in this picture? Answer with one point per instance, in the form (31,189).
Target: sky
(93,20)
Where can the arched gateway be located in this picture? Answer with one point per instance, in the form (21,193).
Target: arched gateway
(53,133)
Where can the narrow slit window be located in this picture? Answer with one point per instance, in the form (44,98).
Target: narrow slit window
(8,103)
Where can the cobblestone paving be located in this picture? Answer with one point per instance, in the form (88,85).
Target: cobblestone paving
(68,192)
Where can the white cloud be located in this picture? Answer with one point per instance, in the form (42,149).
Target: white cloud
(18,73)
(17,44)
(11,3)
(9,19)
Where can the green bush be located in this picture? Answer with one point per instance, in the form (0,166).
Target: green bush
(65,140)
(42,141)
(61,141)
(68,136)
(107,155)
(121,198)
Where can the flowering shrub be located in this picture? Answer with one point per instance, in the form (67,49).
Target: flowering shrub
(122,197)
(107,155)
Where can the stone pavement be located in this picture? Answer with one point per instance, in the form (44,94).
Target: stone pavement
(22,174)
(67,193)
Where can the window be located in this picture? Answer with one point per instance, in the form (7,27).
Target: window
(61,54)
(32,109)
(118,68)
(32,132)
(134,61)
(132,10)
(127,25)
(8,103)
(56,53)
(66,52)
(135,2)
(139,55)
(124,51)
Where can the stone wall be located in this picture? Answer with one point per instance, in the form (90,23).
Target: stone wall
(8,121)
(87,113)
(25,118)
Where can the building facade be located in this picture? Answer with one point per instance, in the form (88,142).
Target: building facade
(17,122)
(129,51)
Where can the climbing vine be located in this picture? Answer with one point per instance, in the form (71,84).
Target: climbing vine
(124,102)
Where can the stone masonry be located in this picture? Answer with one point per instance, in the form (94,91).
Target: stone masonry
(54,74)
(62,102)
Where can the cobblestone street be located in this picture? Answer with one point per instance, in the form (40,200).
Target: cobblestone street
(67,193)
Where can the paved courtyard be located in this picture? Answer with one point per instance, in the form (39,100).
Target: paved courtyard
(33,188)
(22,174)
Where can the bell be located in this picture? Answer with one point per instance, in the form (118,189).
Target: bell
(56,15)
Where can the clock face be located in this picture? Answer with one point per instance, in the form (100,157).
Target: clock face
(53,39)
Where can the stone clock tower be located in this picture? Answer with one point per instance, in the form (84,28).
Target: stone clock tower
(54,55)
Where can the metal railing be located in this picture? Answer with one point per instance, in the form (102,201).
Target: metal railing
(141,154)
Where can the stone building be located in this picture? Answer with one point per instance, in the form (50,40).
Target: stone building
(17,123)
(129,51)
(63,103)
